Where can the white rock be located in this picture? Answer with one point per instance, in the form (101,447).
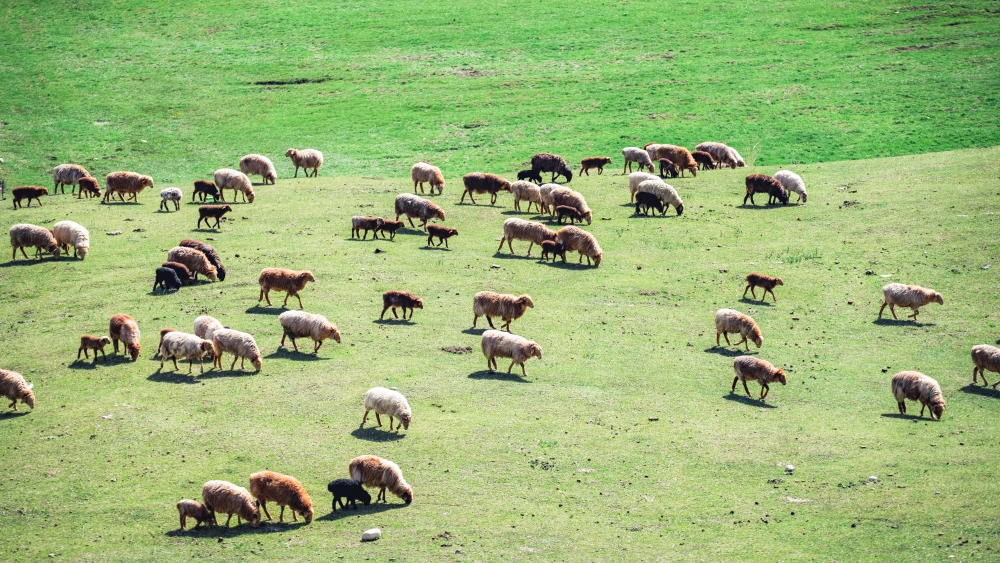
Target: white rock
(873,478)
(789,469)
(371,535)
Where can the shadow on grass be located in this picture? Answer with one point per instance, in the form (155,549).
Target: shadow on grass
(475,331)
(84,364)
(750,301)
(908,416)
(208,230)
(498,376)
(237,372)
(504,255)
(760,206)
(376,434)
(737,398)
(410,231)
(442,248)
(723,351)
(899,322)
(26,262)
(13,414)
(234,530)
(570,266)
(158,293)
(293,355)
(393,322)
(974,389)
(173,377)
(650,216)
(112,360)
(258,310)
(373,508)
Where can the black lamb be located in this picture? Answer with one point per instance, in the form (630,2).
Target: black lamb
(349,490)
(530,175)
(167,279)
(647,200)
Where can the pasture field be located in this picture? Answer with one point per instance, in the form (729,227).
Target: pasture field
(565,464)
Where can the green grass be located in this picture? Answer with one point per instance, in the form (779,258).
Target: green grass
(565,464)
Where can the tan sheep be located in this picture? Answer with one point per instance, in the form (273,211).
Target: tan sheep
(95,343)
(240,344)
(185,346)
(15,388)
(23,235)
(519,229)
(382,474)
(916,386)
(194,260)
(416,206)
(570,198)
(524,190)
(638,156)
(985,358)
(299,324)
(484,183)
(307,159)
(496,344)
(124,328)
(545,191)
(259,165)
(423,172)
(125,183)
(68,175)
(188,508)
(227,498)
(507,307)
(912,296)
(636,178)
(663,192)
(389,402)
(730,320)
(285,490)
(205,326)
(749,368)
(575,238)
(280,279)
(229,179)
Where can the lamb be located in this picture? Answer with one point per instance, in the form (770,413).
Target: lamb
(210,253)
(912,296)
(598,162)
(723,154)
(565,211)
(665,192)
(764,281)
(373,471)
(680,156)
(68,175)
(280,279)
(208,212)
(526,191)
(986,358)
(229,179)
(667,168)
(548,162)
(194,260)
(299,324)
(545,191)
(729,320)
(15,388)
(259,165)
(359,223)
(762,183)
(416,206)
(88,186)
(68,233)
(480,183)
(306,159)
(749,368)
(636,178)
(519,229)
(204,188)
(227,498)
(240,344)
(167,278)
(349,490)
(125,329)
(23,235)
(704,160)
(916,386)
(170,194)
(530,175)
(507,307)
(284,490)
(95,343)
(29,193)
(390,226)
(423,172)
(497,344)
(570,198)
(638,156)
(575,238)
(205,327)
(646,200)
(125,183)
(441,232)
(792,182)
(390,403)
(185,346)
(404,300)
(193,509)
(181,270)
(551,247)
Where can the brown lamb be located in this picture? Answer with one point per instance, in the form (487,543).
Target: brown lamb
(29,193)
(565,211)
(89,186)
(667,168)
(360,223)
(204,188)
(284,490)
(390,226)
(704,160)
(480,183)
(404,300)
(208,212)
(551,247)
(762,183)
(95,343)
(280,279)
(764,281)
(188,508)
(124,328)
(441,232)
(598,162)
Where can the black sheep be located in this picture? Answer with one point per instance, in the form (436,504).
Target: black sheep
(647,200)
(204,188)
(564,211)
(551,247)
(182,271)
(209,252)
(762,183)
(667,168)
(547,162)
(530,175)
(348,490)
(167,279)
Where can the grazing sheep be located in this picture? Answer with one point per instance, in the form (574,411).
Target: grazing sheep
(15,388)
(88,186)
(551,247)
(359,223)
(548,162)
(598,162)
(916,386)
(912,296)
(163,332)
(565,211)
(240,344)
(404,300)
(259,165)
(416,206)
(739,159)
(299,324)
(526,191)
(665,192)
(507,307)
(167,278)
(638,156)
(193,509)
(704,160)
(229,179)
(205,326)
(194,260)
(722,154)
(97,344)
(441,232)
(575,238)
(23,235)
(170,194)
(175,344)
(749,368)
(530,175)
(181,270)
(390,403)
(68,175)
(204,188)
(480,183)
(284,490)
(390,226)
(210,253)
(497,344)
(125,183)
(373,471)
(306,159)
(519,229)
(764,281)
(680,156)
(646,200)
(68,233)
(125,329)
(792,182)
(570,198)
(636,178)
(986,358)
(227,498)
(667,168)
(762,183)
(729,320)
(545,191)
(349,490)
(29,193)
(280,279)
(423,172)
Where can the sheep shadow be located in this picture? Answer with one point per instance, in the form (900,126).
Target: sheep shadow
(258,310)
(900,322)
(475,331)
(750,301)
(723,351)
(375,434)
(287,354)
(83,364)
(432,247)
(410,231)
(974,389)
(571,266)
(173,377)
(213,230)
(393,322)
(163,292)
(737,398)
(231,532)
(226,372)
(13,414)
(651,216)
(356,239)
(373,508)
(498,376)
(114,360)
(913,417)
(206,202)
(760,206)
(501,255)
(28,262)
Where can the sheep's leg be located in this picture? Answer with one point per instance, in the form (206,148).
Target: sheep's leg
(735,379)
(489,364)
(391,420)
(489,320)
(285,302)
(410,219)
(747,389)
(384,309)
(201,364)
(772,295)
(902,407)
(395,314)
(106,356)
(764,389)
(175,363)
(296,171)
(892,309)
(881,309)
(501,244)
(230,518)
(281,515)
(524,373)
(445,243)
(23,253)
(914,315)
(183,521)
(233,367)
(531,244)
(316,346)
(191,365)
(430,240)
(300,300)
(506,325)
(365,418)
(922,405)
(381,495)
(726,336)
(717,338)
(378,419)
(82,349)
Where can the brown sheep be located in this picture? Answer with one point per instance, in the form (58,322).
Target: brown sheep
(88,186)
(480,183)
(225,497)
(193,509)
(208,212)
(916,386)
(163,332)
(95,343)
(29,193)
(680,156)
(374,471)
(667,168)
(762,183)
(441,232)
(507,307)
(390,226)
(209,252)
(359,223)
(204,188)
(553,248)
(598,162)
(704,160)
(756,369)
(763,281)
(122,183)
(124,328)
(404,300)
(548,162)
(280,279)
(284,490)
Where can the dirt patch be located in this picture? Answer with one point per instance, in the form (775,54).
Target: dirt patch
(292,81)
(457,349)
(649,292)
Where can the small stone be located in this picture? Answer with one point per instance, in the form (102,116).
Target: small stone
(494,265)
(986,267)
(371,535)
(723,271)
(605,218)
(869,272)
(113,233)
(654,418)
(237,255)
(379,251)
(873,479)
(789,469)
(638,267)
(245,217)
(220,539)
(850,302)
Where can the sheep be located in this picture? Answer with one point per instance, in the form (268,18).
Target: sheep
(986,358)
(397,298)
(565,211)
(423,172)
(916,386)
(29,193)
(545,191)
(636,178)
(229,179)
(792,182)
(205,326)
(23,235)
(284,490)
(441,232)
(638,156)
(125,329)
(722,154)
(195,260)
(349,490)
(756,369)
(912,296)
(359,223)
(763,281)
(95,343)
(182,271)
(704,160)
(240,344)
(204,188)
(496,344)
(480,183)
(646,200)
(530,175)
(68,233)
(280,279)
(526,191)
(507,307)
(519,229)
(88,186)
(15,388)
(665,192)
(227,498)
(259,165)
(68,174)
(729,320)
(193,509)
(570,198)
(554,248)
(373,471)
(185,346)
(390,403)
(680,156)
(306,159)
(667,168)
(762,183)
(170,194)
(210,253)
(390,226)
(416,206)
(299,324)
(739,159)
(548,162)
(598,162)
(125,183)
(166,278)
(575,238)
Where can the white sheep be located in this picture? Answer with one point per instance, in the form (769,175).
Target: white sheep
(986,358)
(636,178)
(545,191)
(498,344)
(306,159)
(423,172)
(240,344)
(722,153)
(299,324)
(170,194)
(574,199)
(912,296)
(730,320)
(916,386)
(792,182)
(68,233)
(526,191)
(664,192)
(227,178)
(638,156)
(186,347)
(390,403)
(519,229)
(205,326)
(68,174)
(416,206)
(259,165)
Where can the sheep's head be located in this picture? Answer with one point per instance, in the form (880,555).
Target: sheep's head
(211,273)
(332,332)
(757,338)
(227,209)
(307,514)
(418,303)
(28,397)
(82,251)
(526,300)
(254,518)
(206,347)
(405,420)
(145,182)
(270,177)
(597,260)
(291,153)
(133,350)
(937,408)
(605,160)
(257,364)
(53,249)
(693,169)
(777,281)
(363,496)
(104,341)
(307,276)
(407,495)
(938,299)
(250,196)
(379,222)
(439,213)
(589,216)
(779,376)
(534,350)
(680,209)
